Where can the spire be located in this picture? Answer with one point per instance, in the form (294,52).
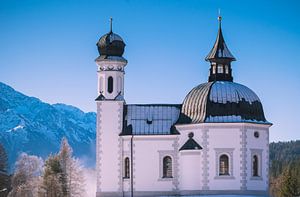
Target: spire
(220,49)
(110,20)
(220,58)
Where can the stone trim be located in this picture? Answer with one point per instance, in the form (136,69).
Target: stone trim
(133,163)
(243,159)
(120,146)
(98,146)
(175,180)
(257,152)
(228,125)
(162,154)
(267,159)
(229,153)
(205,160)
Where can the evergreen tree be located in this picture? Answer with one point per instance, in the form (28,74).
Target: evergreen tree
(289,184)
(26,178)
(72,175)
(52,182)
(63,176)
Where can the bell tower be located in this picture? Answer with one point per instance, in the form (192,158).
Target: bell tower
(111,65)
(110,104)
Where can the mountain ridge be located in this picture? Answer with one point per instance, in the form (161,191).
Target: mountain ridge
(27,124)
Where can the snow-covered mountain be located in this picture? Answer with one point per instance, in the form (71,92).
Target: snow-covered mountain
(32,126)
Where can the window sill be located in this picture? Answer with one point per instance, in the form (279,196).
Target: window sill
(165,179)
(257,178)
(224,177)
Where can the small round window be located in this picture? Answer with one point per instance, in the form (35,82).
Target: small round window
(256,134)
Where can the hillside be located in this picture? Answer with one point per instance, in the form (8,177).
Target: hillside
(30,125)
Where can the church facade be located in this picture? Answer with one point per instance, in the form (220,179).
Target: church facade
(215,142)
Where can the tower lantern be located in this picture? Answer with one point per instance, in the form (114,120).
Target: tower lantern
(220,59)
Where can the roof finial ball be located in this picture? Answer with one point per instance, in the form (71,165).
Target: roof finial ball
(191,135)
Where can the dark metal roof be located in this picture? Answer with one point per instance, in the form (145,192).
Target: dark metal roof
(221,101)
(220,49)
(111,44)
(101,97)
(150,119)
(194,105)
(190,144)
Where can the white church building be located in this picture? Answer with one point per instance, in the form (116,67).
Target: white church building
(215,142)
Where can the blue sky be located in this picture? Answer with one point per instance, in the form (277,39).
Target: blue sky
(48,50)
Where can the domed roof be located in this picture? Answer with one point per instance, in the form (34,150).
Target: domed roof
(221,101)
(111,44)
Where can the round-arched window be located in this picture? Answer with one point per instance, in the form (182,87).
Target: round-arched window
(110,84)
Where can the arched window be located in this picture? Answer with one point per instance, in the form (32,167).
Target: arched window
(167,167)
(224,165)
(255,166)
(126,168)
(110,84)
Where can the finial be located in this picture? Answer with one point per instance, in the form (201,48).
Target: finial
(191,135)
(111,19)
(219,17)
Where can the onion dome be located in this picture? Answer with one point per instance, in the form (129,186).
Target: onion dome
(221,101)
(111,44)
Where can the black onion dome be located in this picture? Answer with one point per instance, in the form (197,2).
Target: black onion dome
(111,44)
(221,101)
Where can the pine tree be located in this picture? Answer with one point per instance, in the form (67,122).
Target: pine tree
(26,178)
(52,183)
(72,175)
(65,156)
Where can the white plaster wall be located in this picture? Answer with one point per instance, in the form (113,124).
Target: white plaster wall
(109,122)
(190,177)
(147,162)
(224,138)
(257,144)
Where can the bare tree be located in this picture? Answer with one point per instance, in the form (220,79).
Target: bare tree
(26,179)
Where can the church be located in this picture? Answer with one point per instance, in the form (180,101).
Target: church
(215,142)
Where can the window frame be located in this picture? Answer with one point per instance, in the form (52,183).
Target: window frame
(229,153)
(165,166)
(258,153)
(126,168)
(226,168)
(110,84)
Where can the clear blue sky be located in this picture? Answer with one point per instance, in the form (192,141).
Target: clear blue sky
(48,50)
